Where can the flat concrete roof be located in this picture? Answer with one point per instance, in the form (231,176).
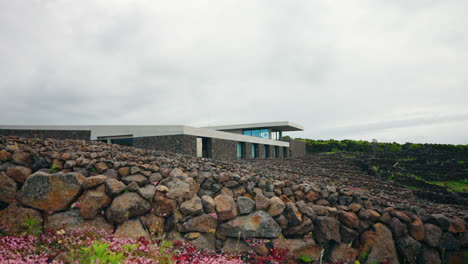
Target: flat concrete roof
(282,125)
(151,131)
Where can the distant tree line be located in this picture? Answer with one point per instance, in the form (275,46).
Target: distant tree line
(331,145)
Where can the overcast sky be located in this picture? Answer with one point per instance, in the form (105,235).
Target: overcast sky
(377,69)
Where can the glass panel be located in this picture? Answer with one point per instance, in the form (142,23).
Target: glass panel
(239,150)
(264,133)
(122,141)
(256,133)
(247,132)
(285,152)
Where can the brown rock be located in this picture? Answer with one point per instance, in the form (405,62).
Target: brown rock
(19,173)
(402,216)
(261,202)
(224,177)
(203,223)
(131,229)
(67,220)
(276,207)
(457,225)
(344,253)
(379,245)
(205,242)
(355,207)
(22,158)
(226,207)
(101,167)
(114,187)
(124,171)
(432,235)
(14,217)
(416,229)
(293,214)
(373,215)
(301,229)
(312,196)
(8,188)
(127,206)
(4,155)
(162,205)
(209,205)
(69,164)
(176,172)
(154,223)
(92,203)
(258,224)
(51,192)
(349,219)
(137,178)
(232,245)
(326,229)
(193,206)
(94,181)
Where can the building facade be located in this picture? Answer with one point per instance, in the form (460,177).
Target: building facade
(246,141)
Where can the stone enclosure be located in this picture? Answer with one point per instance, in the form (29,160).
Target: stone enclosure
(213,204)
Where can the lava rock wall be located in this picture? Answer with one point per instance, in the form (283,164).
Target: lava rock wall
(215,205)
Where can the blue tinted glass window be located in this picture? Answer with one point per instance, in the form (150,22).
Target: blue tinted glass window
(264,133)
(247,132)
(256,133)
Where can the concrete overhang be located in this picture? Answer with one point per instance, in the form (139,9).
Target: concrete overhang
(282,126)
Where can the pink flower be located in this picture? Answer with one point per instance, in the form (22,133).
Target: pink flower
(214,215)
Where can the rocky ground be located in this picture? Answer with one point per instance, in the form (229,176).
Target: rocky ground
(345,169)
(319,205)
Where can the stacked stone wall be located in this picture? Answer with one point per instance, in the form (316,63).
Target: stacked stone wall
(214,205)
(57,134)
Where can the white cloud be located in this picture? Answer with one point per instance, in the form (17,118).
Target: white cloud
(334,67)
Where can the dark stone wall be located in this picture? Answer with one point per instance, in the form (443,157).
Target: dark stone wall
(222,149)
(56,134)
(296,148)
(183,144)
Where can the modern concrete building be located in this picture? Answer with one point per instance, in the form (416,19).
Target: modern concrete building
(258,140)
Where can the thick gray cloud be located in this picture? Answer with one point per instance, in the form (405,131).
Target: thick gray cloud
(385,70)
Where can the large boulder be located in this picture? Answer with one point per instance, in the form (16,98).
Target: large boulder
(416,229)
(8,188)
(379,245)
(183,189)
(245,205)
(22,158)
(154,223)
(350,219)
(326,229)
(162,205)
(408,248)
(14,217)
(429,256)
(432,235)
(132,229)
(258,224)
(277,206)
(126,206)
(226,207)
(51,192)
(193,206)
(92,202)
(19,173)
(67,220)
(203,223)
